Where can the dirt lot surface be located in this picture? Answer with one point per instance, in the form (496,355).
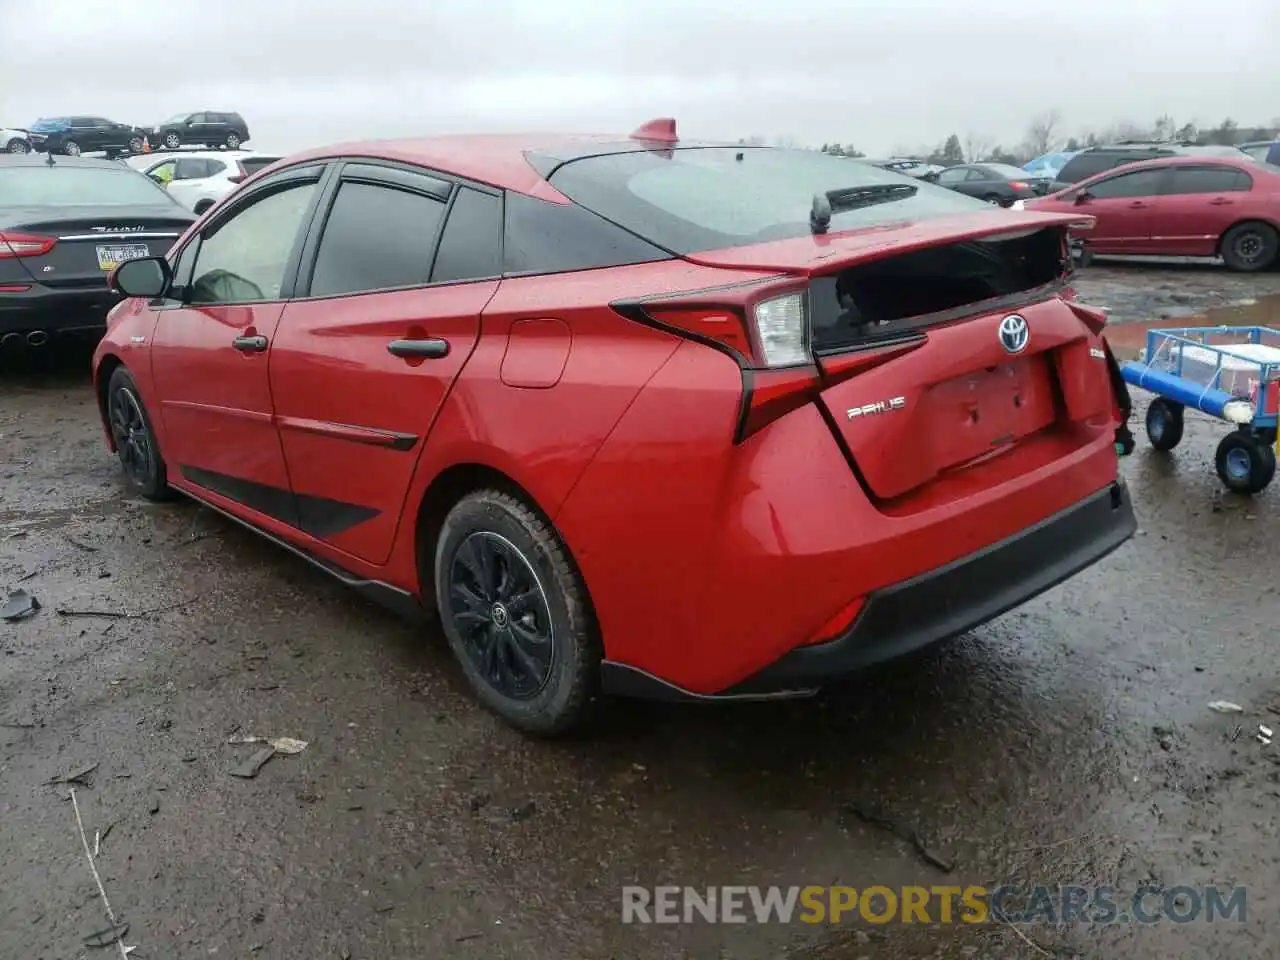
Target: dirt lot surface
(1068,742)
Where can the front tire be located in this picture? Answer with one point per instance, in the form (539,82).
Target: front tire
(1164,423)
(516,613)
(135,439)
(1250,247)
(172,141)
(1246,463)
(16,146)
(135,144)
(71,148)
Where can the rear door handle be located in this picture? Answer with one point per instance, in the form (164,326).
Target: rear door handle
(1137,204)
(1220,201)
(432,349)
(250,344)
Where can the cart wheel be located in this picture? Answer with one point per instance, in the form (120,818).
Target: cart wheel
(1246,463)
(1164,423)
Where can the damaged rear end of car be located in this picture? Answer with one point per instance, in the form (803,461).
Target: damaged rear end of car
(925,438)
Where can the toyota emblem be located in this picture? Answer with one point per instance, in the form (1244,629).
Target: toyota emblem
(1014,333)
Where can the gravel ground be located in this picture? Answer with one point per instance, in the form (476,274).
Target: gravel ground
(1068,742)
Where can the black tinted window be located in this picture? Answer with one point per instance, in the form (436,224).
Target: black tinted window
(244,259)
(252,165)
(544,237)
(375,238)
(1142,183)
(1207,180)
(190,168)
(1085,165)
(471,245)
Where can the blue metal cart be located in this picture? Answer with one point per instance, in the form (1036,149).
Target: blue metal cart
(1232,373)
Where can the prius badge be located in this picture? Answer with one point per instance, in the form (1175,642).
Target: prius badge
(880,406)
(1014,333)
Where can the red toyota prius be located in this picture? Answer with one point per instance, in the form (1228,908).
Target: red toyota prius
(634,416)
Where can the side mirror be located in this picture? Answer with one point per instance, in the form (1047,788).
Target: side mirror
(930,177)
(148,277)
(1084,196)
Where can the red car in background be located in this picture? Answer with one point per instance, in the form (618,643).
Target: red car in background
(1180,206)
(632,415)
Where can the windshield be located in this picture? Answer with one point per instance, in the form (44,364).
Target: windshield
(47,125)
(43,186)
(709,198)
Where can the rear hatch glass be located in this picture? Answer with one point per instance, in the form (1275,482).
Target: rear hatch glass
(709,198)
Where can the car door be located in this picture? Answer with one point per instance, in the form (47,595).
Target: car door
(954,178)
(1196,206)
(197,128)
(211,345)
(1122,206)
(365,356)
(984,185)
(86,134)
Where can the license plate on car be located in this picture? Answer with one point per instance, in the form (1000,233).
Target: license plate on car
(112,256)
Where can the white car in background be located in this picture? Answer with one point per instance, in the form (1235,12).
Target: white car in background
(14,141)
(198,179)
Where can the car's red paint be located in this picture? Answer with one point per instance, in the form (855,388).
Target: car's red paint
(1157,222)
(705,559)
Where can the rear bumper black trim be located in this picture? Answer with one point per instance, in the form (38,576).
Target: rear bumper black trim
(932,607)
(54,310)
(964,594)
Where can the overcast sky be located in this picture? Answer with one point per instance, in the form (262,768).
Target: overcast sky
(881,74)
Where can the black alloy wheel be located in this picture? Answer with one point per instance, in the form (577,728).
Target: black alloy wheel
(135,441)
(502,615)
(516,614)
(1250,247)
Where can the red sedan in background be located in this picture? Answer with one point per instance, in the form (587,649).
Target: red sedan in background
(632,415)
(1180,207)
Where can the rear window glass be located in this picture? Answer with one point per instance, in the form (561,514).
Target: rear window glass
(1006,170)
(44,186)
(544,237)
(252,165)
(707,198)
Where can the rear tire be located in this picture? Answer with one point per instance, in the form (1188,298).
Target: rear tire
(233,141)
(516,614)
(135,439)
(171,140)
(71,148)
(1246,463)
(1250,247)
(994,200)
(135,144)
(1164,423)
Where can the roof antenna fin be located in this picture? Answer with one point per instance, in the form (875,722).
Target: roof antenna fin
(659,130)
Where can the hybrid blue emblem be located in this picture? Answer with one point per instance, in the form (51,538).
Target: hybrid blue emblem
(1014,333)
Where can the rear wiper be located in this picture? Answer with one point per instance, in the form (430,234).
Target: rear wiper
(851,198)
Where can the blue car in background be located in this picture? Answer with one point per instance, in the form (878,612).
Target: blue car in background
(1046,167)
(76,135)
(1264,151)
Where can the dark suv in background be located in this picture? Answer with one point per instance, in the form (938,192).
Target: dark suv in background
(211,128)
(1094,160)
(76,135)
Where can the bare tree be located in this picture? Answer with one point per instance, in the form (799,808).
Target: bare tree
(1043,134)
(977,146)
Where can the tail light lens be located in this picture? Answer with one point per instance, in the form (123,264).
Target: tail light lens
(1018,185)
(766,332)
(24,245)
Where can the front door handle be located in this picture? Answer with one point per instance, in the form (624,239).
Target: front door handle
(250,344)
(432,349)
(1137,204)
(1220,202)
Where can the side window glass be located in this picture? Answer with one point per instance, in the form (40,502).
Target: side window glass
(191,169)
(1208,180)
(977,175)
(952,176)
(244,259)
(164,172)
(540,236)
(471,245)
(375,238)
(196,118)
(214,167)
(1143,183)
